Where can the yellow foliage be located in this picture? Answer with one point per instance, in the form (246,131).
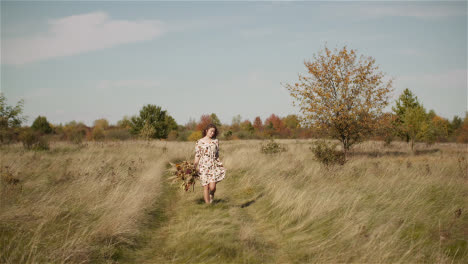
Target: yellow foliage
(196,135)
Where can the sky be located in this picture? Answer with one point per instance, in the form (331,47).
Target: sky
(84,61)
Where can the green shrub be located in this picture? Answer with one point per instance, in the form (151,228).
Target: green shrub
(227,135)
(272,148)
(33,140)
(327,154)
(42,125)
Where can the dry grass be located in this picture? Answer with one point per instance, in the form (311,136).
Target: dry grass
(88,204)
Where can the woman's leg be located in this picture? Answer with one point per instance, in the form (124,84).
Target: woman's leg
(206,194)
(212,188)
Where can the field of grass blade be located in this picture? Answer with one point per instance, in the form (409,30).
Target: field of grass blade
(111,203)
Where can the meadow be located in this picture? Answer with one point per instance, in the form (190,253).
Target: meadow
(111,202)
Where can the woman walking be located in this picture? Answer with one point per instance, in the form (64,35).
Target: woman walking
(210,168)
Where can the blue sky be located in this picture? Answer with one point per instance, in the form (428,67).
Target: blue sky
(88,60)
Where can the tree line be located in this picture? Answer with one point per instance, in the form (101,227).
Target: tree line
(341,96)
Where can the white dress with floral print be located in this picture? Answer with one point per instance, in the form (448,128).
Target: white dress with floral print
(210,167)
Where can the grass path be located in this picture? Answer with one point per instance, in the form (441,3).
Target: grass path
(183,229)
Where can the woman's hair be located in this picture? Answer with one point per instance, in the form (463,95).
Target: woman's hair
(208,127)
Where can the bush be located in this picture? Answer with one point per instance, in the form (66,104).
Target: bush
(97,133)
(173,135)
(272,148)
(118,134)
(327,154)
(42,144)
(76,136)
(33,140)
(227,135)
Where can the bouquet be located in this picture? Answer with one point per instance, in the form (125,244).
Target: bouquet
(185,173)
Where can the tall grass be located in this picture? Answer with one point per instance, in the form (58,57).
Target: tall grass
(88,204)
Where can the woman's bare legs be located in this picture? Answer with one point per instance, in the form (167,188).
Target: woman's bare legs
(212,189)
(207,190)
(206,194)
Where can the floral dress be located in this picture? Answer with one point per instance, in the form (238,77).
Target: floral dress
(210,167)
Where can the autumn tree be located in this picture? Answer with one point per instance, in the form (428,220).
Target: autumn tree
(247,126)
(204,121)
(258,124)
(341,94)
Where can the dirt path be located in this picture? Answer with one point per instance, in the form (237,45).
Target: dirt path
(183,229)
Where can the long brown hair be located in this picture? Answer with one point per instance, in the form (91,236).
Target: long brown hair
(208,127)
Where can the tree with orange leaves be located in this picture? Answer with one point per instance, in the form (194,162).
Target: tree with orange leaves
(341,94)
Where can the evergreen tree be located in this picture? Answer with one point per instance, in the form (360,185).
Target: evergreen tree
(42,125)
(407,100)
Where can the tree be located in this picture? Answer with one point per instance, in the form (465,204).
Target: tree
(215,120)
(407,100)
(258,124)
(204,121)
(246,125)
(235,125)
(341,94)
(155,117)
(274,126)
(125,122)
(11,116)
(101,124)
(462,131)
(191,124)
(41,125)
(291,121)
(415,124)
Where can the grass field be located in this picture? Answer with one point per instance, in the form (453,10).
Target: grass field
(111,203)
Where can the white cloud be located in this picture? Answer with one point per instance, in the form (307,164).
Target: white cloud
(77,34)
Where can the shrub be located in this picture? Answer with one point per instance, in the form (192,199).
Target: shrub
(173,135)
(227,135)
(272,148)
(76,136)
(327,154)
(33,140)
(118,134)
(97,133)
(42,144)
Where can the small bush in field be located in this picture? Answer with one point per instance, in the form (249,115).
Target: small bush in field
(29,138)
(388,141)
(76,137)
(42,144)
(33,140)
(272,148)
(327,154)
(118,134)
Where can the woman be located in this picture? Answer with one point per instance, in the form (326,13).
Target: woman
(210,168)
